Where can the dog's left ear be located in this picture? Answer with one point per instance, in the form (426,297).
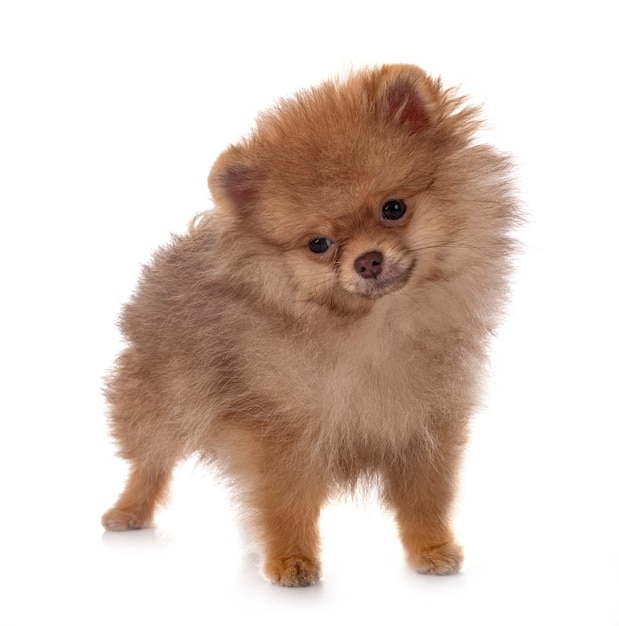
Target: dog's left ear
(410,97)
(234,179)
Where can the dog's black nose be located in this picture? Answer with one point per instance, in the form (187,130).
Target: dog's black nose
(370,264)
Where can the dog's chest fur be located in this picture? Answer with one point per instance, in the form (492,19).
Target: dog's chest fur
(378,380)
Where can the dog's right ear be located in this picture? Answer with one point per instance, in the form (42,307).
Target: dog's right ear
(410,97)
(233,180)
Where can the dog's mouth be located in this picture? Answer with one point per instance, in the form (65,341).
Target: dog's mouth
(392,278)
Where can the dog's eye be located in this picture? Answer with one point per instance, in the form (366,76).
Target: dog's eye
(394,209)
(319,245)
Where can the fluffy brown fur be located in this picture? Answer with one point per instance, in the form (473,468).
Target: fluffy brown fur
(327,322)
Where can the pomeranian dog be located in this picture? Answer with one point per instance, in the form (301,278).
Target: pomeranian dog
(325,326)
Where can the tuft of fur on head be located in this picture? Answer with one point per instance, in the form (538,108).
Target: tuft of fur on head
(326,324)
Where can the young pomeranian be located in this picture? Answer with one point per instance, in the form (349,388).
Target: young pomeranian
(326,325)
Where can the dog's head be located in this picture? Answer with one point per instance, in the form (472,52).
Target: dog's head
(355,183)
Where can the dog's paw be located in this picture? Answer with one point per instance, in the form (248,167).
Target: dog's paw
(439,560)
(122,519)
(292,571)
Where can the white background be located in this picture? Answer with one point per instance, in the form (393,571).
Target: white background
(110,116)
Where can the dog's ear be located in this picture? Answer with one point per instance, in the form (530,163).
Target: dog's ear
(234,179)
(406,106)
(409,97)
